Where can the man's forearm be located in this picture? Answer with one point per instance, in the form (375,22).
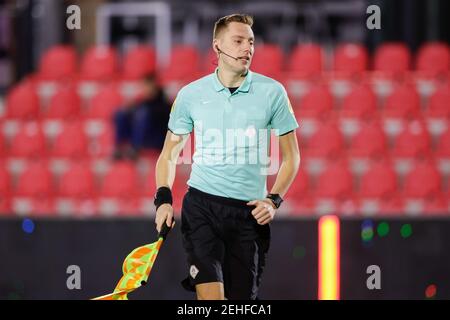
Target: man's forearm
(165,172)
(286,175)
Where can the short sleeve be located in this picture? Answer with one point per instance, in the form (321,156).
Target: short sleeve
(180,121)
(283,119)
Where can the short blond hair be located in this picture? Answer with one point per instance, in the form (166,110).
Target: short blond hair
(223,22)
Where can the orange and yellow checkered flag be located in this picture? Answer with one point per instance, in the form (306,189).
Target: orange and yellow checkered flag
(136,268)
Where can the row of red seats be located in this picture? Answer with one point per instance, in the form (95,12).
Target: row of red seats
(99,63)
(23,102)
(123,186)
(323,139)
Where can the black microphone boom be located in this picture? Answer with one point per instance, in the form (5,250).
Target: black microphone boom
(220,51)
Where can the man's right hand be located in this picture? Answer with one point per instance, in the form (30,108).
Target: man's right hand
(164,214)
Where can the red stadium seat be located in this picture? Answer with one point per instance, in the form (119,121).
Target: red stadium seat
(317,103)
(439,103)
(58,62)
(327,141)
(102,144)
(183,65)
(392,58)
(120,181)
(443,146)
(71,142)
(268,60)
(5,183)
(77,182)
(403,103)
(413,142)
(35,181)
(29,142)
(105,103)
(369,142)
(299,199)
(423,181)
(22,102)
(2,142)
(350,59)
(360,103)
(380,181)
(99,63)
(335,182)
(138,62)
(64,105)
(5,189)
(433,59)
(306,60)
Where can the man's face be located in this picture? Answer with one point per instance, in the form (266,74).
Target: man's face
(236,40)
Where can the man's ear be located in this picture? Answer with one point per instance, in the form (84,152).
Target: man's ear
(216,46)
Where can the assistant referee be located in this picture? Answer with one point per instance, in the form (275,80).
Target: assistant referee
(227,210)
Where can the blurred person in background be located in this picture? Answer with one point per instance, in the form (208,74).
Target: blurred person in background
(143,124)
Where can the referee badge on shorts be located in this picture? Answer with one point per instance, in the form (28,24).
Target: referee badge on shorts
(193,271)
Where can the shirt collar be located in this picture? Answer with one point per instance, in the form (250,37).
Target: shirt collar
(244,87)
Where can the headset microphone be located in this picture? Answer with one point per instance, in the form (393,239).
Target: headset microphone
(220,51)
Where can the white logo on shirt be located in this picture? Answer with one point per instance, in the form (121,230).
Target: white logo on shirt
(205,102)
(193,271)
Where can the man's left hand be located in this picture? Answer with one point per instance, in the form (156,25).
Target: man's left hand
(264,211)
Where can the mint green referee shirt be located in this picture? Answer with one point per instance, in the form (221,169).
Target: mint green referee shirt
(232,132)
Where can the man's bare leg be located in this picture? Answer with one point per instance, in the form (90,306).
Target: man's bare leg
(210,291)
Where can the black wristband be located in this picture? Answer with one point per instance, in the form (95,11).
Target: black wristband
(163,195)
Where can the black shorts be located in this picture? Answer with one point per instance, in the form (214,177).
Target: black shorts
(224,243)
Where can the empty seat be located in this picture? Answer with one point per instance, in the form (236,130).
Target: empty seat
(5,188)
(71,142)
(380,181)
(443,146)
(5,182)
(268,60)
(64,105)
(28,142)
(404,102)
(2,143)
(183,65)
(77,182)
(35,181)
(99,63)
(120,181)
(317,103)
(360,103)
(433,59)
(58,62)
(392,58)
(105,103)
(335,182)
(327,141)
(102,143)
(369,142)
(351,59)
(439,103)
(423,181)
(413,142)
(139,61)
(22,102)
(306,60)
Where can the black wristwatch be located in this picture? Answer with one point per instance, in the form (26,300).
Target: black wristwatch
(276,199)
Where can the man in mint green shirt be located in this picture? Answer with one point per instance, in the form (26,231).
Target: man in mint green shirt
(227,209)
